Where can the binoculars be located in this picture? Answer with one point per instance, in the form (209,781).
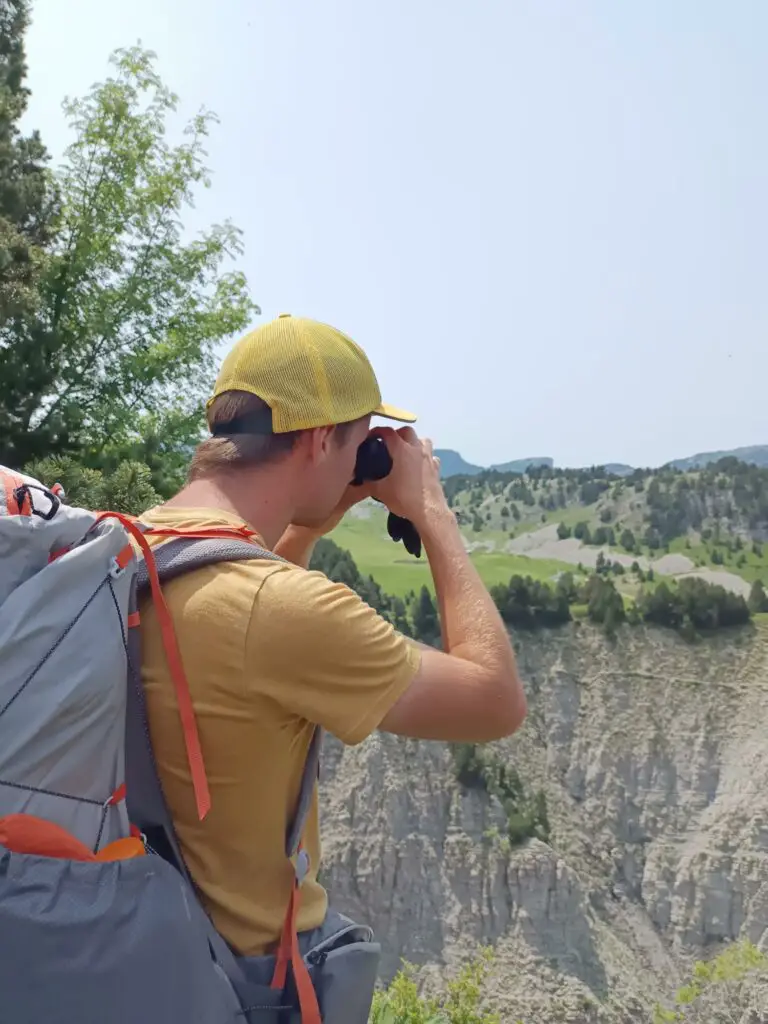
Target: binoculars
(374,463)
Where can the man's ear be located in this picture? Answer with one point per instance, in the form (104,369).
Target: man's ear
(319,441)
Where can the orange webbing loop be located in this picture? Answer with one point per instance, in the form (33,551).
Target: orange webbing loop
(25,833)
(175,666)
(12,505)
(289,952)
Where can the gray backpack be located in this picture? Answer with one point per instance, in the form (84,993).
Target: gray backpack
(100,920)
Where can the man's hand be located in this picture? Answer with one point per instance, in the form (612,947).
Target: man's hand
(412,489)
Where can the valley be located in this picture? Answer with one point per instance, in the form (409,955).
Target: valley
(668,524)
(622,835)
(650,753)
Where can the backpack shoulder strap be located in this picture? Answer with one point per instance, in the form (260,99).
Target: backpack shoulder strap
(147,804)
(184,554)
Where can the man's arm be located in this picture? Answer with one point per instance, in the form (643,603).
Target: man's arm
(297,544)
(470,691)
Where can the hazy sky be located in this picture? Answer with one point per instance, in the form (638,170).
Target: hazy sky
(546,222)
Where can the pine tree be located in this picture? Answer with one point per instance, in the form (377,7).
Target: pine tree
(27,194)
(425,624)
(758,600)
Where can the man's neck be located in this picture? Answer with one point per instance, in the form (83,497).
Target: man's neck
(259,500)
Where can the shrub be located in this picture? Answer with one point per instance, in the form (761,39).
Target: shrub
(731,987)
(526,812)
(401,1003)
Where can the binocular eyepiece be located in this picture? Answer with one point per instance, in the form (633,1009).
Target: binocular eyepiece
(374,463)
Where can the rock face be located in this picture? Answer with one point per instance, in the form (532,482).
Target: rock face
(653,753)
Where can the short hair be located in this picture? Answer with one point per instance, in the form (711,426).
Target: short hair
(230,452)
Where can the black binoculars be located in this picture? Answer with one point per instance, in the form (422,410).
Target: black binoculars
(374,463)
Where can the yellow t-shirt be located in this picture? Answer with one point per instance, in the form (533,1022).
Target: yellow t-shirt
(269,649)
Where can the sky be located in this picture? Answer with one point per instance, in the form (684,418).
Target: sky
(545,222)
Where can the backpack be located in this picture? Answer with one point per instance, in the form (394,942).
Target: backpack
(100,919)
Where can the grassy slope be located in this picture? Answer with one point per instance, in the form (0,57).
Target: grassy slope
(397,572)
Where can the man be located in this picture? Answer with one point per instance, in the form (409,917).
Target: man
(271,649)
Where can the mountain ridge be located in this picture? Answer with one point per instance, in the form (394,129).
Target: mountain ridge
(452,463)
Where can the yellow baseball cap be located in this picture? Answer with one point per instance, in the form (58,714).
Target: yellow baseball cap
(309,374)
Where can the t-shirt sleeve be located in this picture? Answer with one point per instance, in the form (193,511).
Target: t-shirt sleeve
(321,652)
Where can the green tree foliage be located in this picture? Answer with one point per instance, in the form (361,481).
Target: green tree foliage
(531,604)
(627,539)
(121,346)
(604,535)
(581,532)
(692,605)
(128,488)
(591,489)
(604,603)
(28,204)
(426,625)
(652,538)
(401,1002)
(566,588)
(729,490)
(732,987)
(482,769)
(563,531)
(758,599)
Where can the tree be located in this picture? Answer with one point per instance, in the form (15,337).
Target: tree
(758,599)
(693,605)
(563,531)
(531,604)
(425,622)
(581,532)
(604,603)
(128,489)
(27,196)
(627,539)
(400,617)
(121,346)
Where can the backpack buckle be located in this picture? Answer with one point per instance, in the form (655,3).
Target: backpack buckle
(115,569)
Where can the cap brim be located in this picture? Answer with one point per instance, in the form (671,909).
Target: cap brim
(391,412)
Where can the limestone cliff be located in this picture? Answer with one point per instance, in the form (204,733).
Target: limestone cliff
(653,753)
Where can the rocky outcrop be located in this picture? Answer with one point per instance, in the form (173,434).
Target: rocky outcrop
(653,753)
